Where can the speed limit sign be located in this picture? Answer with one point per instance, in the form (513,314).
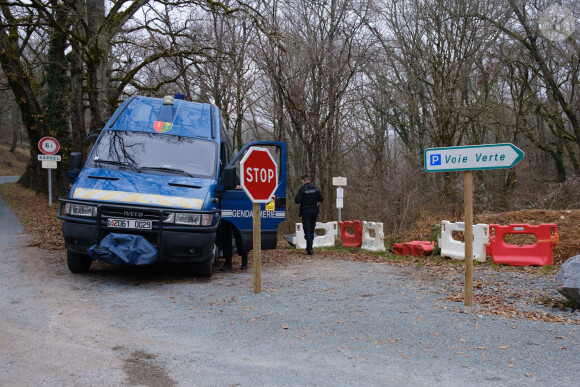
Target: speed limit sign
(48,145)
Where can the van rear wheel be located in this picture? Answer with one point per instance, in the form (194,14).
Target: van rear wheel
(78,263)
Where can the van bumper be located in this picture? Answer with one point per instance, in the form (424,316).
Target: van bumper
(172,245)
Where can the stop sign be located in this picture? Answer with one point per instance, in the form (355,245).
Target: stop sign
(259,175)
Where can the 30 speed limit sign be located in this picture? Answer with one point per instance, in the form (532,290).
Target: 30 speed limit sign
(48,145)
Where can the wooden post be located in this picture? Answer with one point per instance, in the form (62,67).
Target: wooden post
(468,236)
(257,254)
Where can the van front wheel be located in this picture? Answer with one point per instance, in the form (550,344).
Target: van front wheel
(205,269)
(78,263)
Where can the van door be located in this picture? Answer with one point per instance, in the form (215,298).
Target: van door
(237,207)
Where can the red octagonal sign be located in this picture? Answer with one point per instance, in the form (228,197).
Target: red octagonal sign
(259,175)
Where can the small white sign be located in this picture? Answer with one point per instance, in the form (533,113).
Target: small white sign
(49,164)
(340,181)
(339,203)
(49,158)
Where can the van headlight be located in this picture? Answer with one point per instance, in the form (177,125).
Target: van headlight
(75,209)
(189,219)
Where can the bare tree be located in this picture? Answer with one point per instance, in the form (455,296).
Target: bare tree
(433,91)
(555,66)
(17,30)
(315,51)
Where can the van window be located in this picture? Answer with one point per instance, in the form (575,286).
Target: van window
(155,153)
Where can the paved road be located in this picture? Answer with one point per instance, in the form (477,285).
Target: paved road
(9,226)
(318,322)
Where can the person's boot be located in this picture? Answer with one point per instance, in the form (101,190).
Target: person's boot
(227,265)
(244,262)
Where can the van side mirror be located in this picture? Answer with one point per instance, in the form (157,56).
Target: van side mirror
(229,177)
(93,135)
(75,164)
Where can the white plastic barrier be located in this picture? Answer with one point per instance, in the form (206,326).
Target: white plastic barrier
(376,243)
(324,235)
(456,249)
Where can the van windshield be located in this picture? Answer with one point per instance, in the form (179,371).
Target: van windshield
(155,153)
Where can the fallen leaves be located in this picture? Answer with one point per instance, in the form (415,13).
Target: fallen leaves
(35,216)
(497,305)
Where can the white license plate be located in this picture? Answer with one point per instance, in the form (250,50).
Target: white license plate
(138,224)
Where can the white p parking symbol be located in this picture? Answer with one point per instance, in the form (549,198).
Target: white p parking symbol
(435,159)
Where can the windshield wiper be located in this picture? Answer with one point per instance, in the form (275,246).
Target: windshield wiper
(117,163)
(173,170)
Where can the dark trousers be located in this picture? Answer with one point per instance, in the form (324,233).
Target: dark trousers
(309,224)
(227,232)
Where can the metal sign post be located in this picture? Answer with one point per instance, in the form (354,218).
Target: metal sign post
(467,159)
(339,182)
(49,146)
(339,201)
(49,188)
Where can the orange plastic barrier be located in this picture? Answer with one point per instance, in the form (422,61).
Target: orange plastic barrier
(416,248)
(351,240)
(540,253)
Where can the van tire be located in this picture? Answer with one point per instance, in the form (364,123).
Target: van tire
(206,269)
(78,263)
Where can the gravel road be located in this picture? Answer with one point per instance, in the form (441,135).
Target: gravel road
(316,322)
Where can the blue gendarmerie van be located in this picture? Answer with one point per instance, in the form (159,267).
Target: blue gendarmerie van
(159,184)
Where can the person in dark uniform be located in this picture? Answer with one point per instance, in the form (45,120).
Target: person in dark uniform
(308,197)
(227,230)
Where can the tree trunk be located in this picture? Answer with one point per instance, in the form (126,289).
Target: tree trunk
(10,123)
(98,64)
(30,109)
(56,99)
(14,136)
(77,118)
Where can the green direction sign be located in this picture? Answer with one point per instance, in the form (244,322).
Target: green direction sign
(472,157)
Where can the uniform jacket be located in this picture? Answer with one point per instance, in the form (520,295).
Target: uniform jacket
(308,197)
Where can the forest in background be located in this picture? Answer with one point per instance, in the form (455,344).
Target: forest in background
(356,88)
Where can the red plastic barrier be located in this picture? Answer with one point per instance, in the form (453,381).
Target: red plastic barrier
(422,248)
(400,249)
(351,240)
(416,248)
(540,253)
